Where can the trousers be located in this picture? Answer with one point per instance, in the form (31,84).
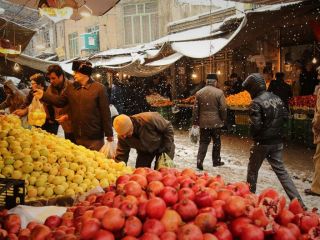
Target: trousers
(273,153)
(315,185)
(206,135)
(95,144)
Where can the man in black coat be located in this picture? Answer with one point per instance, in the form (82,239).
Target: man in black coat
(267,115)
(281,89)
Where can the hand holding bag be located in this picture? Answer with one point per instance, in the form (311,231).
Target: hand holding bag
(36,113)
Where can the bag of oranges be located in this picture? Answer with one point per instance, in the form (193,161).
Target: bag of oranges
(36,113)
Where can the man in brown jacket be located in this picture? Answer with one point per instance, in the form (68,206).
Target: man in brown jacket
(89,107)
(149,133)
(315,185)
(210,114)
(58,84)
(14,97)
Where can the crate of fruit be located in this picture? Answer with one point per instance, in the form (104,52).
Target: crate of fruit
(12,192)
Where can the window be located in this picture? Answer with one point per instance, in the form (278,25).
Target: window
(73,45)
(46,38)
(141,22)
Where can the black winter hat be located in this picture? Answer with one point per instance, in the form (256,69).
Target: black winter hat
(212,77)
(254,84)
(83,67)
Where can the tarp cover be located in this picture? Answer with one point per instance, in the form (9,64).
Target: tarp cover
(17,34)
(98,7)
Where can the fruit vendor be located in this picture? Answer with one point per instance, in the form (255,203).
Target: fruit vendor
(149,133)
(89,107)
(38,81)
(267,115)
(58,84)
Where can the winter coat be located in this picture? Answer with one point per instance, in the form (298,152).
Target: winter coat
(267,112)
(282,90)
(15,100)
(210,109)
(89,109)
(61,111)
(152,133)
(316,121)
(308,81)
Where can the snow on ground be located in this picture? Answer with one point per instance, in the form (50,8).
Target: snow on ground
(235,153)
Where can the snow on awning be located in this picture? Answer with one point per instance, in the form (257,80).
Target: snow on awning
(97,62)
(35,63)
(206,48)
(166,60)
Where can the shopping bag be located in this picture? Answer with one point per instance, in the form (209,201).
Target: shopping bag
(36,113)
(194,134)
(164,161)
(109,150)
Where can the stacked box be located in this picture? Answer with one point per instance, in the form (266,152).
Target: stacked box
(12,193)
(242,122)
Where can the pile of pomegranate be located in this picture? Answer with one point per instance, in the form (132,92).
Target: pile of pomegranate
(171,204)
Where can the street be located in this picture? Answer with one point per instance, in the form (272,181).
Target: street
(235,153)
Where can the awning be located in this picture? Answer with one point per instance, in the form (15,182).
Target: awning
(98,7)
(17,34)
(206,48)
(97,62)
(166,60)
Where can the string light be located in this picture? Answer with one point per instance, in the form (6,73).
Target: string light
(194,75)
(314,60)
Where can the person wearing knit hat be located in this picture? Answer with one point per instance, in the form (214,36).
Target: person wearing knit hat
(148,132)
(122,124)
(89,110)
(210,114)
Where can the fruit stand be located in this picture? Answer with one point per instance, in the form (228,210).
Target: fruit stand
(135,204)
(51,167)
(238,118)
(302,111)
(161,105)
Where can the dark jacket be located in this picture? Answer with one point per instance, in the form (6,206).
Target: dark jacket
(89,109)
(282,90)
(267,112)
(308,81)
(152,133)
(67,127)
(210,109)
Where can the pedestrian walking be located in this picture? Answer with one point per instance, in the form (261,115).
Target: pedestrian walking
(315,185)
(149,133)
(210,114)
(267,115)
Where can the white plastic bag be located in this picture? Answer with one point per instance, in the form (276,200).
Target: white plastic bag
(109,149)
(194,134)
(36,113)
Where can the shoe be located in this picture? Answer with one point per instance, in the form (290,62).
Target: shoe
(309,192)
(200,167)
(218,164)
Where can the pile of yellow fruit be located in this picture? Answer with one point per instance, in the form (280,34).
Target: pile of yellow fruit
(241,99)
(36,117)
(52,166)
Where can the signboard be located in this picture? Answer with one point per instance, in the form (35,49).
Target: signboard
(90,41)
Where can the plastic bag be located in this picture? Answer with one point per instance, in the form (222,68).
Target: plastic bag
(194,134)
(109,150)
(164,161)
(36,113)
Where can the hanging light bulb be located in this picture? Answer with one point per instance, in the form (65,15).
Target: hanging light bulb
(85,11)
(194,75)
(218,72)
(314,60)
(16,67)
(98,75)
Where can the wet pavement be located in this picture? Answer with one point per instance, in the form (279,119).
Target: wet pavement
(235,153)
